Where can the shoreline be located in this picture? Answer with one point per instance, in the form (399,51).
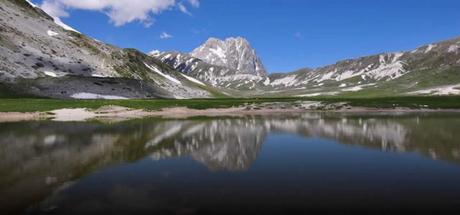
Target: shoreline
(118,113)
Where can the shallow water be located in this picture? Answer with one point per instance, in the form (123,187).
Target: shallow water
(277,164)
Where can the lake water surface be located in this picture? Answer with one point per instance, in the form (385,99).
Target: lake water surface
(291,163)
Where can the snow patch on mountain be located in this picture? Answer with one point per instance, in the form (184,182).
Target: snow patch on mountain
(219,52)
(51,74)
(31,4)
(326,76)
(51,33)
(287,81)
(439,91)
(388,70)
(429,48)
(96,96)
(99,75)
(156,70)
(267,81)
(358,87)
(246,77)
(193,80)
(320,94)
(59,22)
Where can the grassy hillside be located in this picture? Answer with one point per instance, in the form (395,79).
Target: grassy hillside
(6,92)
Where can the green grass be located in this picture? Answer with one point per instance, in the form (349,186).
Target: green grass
(435,102)
(7,92)
(32,105)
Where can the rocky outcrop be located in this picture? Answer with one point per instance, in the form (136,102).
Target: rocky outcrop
(233,53)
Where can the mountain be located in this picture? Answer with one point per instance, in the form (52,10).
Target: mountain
(226,79)
(231,63)
(233,53)
(42,56)
(433,69)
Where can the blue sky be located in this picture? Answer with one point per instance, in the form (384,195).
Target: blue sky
(287,34)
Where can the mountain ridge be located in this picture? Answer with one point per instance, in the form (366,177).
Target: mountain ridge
(351,75)
(41,57)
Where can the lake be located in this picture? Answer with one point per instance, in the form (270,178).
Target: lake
(281,163)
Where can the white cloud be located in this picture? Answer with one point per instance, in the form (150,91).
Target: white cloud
(194,3)
(154,52)
(165,36)
(120,12)
(183,9)
(53,9)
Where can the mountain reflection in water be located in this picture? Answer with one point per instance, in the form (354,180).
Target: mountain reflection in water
(40,161)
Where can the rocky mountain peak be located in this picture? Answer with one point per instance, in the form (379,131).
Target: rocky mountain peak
(233,53)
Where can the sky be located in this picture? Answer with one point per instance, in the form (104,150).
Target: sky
(287,34)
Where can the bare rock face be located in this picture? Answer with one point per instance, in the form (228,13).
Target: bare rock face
(233,53)
(226,64)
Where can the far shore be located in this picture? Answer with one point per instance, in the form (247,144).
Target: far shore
(118,113)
